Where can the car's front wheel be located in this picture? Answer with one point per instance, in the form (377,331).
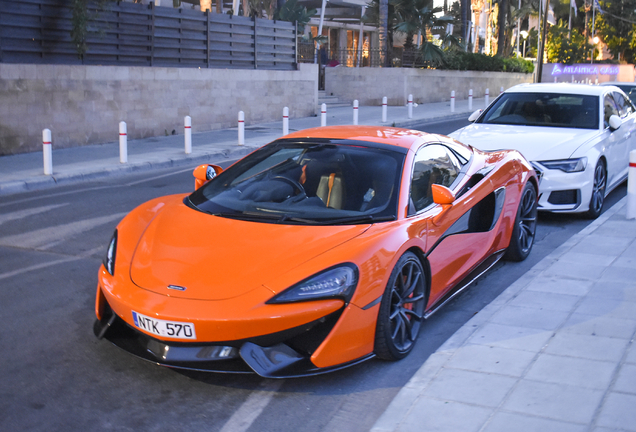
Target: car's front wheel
(523,232)
(402,309)
(598,191)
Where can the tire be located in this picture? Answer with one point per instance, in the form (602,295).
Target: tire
(402,309)
(523,232)
(598,191)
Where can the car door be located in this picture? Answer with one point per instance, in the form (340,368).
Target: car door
(456,237)
(613,141)
(628,131)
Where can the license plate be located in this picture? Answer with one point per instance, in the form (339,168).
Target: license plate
(173,329)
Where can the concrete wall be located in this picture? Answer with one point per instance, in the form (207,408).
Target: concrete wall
(369,85)
(84,104)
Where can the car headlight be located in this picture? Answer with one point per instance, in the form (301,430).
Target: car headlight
(109,259)
(566,165)
(335,282)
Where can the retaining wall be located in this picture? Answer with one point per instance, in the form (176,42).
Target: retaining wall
(84,104)
(369,85)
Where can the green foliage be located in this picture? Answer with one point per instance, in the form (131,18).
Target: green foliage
(79,23)
(293,12)
(561,49)
(617,28)
(514,64)
(79,28)
(460,60)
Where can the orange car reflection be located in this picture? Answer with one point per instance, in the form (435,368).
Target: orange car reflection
(320,250)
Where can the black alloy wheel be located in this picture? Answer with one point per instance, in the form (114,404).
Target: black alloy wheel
(402,309)
(598,191)
(523,232)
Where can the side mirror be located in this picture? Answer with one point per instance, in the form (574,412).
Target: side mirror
(475,115)
(204,173)
(443,196)
(614,122)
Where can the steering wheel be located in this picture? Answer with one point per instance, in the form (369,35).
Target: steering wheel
(295,184)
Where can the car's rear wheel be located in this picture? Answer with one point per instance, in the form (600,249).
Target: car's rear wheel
(523,232)
(598,191)
(402,309)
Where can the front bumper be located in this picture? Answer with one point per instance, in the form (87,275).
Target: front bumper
(562,192)
(281,355)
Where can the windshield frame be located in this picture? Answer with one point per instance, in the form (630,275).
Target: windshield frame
(207,199)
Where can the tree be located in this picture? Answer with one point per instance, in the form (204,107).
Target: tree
(560,49)
(617,27)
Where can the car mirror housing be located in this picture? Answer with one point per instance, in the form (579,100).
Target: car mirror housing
(475,115)
(442,195)
(614,122)
(204,173)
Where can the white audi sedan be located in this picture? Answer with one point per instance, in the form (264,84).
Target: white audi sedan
(577,137)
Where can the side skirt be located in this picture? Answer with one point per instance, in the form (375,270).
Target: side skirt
(465,283)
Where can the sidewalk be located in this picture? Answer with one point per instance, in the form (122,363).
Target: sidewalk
(24,172)
(555,352)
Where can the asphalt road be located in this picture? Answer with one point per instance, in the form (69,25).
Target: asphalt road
(55,375)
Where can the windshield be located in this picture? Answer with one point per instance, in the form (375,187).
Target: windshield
(544,109)
(307,183)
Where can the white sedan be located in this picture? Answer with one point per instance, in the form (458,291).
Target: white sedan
(577,137)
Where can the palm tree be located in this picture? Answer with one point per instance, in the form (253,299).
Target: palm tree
(384,31)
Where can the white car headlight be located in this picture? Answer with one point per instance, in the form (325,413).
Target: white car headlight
(336,282)
(566,165)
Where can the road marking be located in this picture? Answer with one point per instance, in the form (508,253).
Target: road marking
(158,177)
(83,255)
(46,238)
(249,411)
(21,214)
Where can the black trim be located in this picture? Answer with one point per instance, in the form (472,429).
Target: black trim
(297,343)
(473,220)
(336,141)
(373,303)
(480,269)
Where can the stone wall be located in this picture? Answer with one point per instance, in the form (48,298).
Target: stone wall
(84,104)
(369,85)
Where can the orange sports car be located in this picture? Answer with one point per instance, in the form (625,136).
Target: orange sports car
(320,250)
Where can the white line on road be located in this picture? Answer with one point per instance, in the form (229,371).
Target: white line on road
(83,255)
(45,238)
(21,214)
(243,418)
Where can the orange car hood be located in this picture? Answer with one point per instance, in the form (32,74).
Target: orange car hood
(216,258)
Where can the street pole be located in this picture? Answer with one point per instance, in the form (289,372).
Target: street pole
(518,30)
(542,44)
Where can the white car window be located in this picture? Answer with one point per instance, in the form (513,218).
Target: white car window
(609,109)
(624,106)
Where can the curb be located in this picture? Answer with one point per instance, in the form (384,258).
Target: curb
(46,182)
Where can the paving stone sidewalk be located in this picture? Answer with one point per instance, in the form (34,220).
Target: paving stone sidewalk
(555,352)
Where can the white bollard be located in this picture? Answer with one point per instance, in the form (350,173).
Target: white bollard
(410,103)
(596,81)
(384,108)
(555,79)
(323,115)
(453,101)
(631,186)
(487,98)
(241,128)
(123,142)
(355,112)
(500,90)
(470,99)
(187,134)
(285,121)
(47,151)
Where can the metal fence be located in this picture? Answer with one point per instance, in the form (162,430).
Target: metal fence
(368,58)
(128,34)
